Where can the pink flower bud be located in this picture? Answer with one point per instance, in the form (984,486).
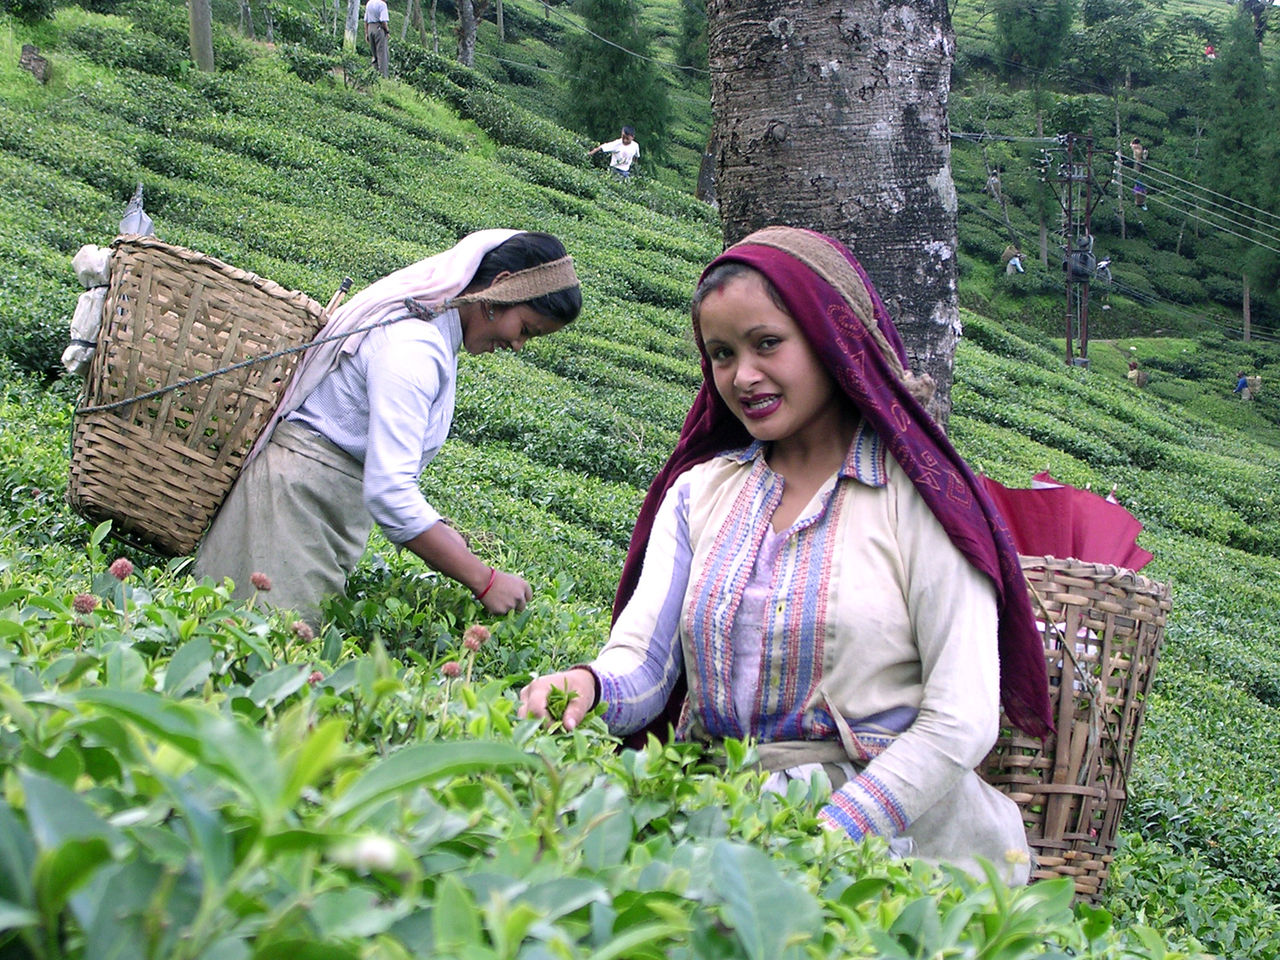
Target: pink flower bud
(120,568)
(260,581)
(315,678)
(451,668)
(302,630)
(85,603)
(475,636)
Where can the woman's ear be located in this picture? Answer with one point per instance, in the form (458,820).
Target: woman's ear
(499,278)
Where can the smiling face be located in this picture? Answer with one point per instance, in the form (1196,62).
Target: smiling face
(510,328)
(766,371)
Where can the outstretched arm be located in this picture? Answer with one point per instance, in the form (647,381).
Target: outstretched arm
(444,549)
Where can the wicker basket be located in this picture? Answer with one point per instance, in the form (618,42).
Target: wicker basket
(160,466)
(1103,627)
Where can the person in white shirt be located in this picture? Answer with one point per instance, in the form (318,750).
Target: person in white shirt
(368,409)
(377,29)
(624,151)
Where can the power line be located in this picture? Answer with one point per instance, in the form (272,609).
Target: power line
(1173,176)
(631,53)
(1183,197)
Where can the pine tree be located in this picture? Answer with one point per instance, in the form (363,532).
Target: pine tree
(613,82)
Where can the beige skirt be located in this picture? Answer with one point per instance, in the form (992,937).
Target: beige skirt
(296,514)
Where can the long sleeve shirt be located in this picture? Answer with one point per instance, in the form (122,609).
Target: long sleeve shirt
(389,406)
(863,608)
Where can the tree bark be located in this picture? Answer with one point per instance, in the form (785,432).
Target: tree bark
(466,33)
(351,26)
(502,30)
(833,116)
(246,19)
(201,27)
(408,16)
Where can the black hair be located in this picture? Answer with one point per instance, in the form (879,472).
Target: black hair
(721,275)
(629,131)
(526,250)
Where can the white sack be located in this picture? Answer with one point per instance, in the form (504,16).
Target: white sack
(84,331)
(92,265)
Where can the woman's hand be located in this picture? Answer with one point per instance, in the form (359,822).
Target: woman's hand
(507,592)
(580,686)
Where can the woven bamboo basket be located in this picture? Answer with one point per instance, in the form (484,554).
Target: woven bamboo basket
(1103,627)
(160,466)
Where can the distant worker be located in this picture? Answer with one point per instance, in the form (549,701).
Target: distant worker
(1139,194)
(1137,377)
(1012,259)
(1209,52)
(377,29)
(1242,387)
(993,184)
(1139,153)
(624,150)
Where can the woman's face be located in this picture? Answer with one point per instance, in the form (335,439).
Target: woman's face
(765,370)
(509,329)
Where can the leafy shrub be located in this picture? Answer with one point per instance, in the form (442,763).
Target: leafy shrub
(118,46)
(28,10)
(307,64)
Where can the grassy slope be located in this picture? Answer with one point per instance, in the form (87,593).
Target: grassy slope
(553,447)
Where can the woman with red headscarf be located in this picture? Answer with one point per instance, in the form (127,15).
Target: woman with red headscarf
(822,571)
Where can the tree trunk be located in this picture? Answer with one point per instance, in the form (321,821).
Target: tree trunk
(1245,311)
(408,16)
(351,26)
(466,33)
(201,23)
(502,31)
(246,19)
(1120,173)
(833,116)
(271,21)
(435,37)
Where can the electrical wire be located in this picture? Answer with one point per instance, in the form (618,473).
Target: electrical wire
(631,53)
(1174,177)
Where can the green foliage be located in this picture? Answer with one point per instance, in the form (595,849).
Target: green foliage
(1031,36)
(691,45)
(115,45)
(613,82)
(28,10)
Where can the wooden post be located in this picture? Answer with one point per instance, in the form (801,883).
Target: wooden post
(1245,306)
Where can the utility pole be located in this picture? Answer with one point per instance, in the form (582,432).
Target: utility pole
(1068,168)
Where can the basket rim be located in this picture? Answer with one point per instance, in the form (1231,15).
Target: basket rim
(1097,571)
(195,257)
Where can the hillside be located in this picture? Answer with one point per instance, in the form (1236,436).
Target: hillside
(178,732)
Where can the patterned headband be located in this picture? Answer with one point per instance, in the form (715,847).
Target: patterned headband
(528,284)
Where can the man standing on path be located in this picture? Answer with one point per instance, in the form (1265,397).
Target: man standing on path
(624,150)
(377,28)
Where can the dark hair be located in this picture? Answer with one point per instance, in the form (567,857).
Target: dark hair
(721,275)
(526,250)
(629,131)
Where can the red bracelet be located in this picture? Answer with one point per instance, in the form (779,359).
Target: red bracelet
(493,575)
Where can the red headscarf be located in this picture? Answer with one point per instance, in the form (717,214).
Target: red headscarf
(834,303)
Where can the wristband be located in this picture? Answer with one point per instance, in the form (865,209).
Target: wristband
(493,574)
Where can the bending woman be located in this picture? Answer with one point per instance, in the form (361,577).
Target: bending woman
(365,414)
(823,570)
